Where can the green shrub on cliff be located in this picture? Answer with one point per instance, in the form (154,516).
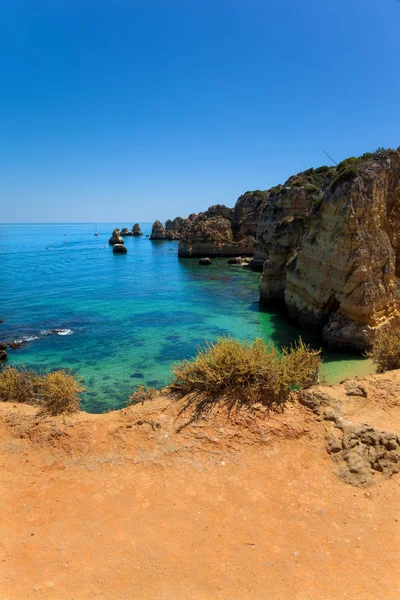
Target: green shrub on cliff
(385,351)
(55,393)
(237,373)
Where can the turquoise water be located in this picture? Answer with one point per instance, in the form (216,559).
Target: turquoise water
(123,319)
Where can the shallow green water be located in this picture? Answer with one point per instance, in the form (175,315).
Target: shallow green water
(126,318)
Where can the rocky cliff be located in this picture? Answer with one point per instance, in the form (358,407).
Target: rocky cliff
(330,245)
(222,231)
(172,230)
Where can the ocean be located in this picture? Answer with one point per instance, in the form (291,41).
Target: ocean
(122,320)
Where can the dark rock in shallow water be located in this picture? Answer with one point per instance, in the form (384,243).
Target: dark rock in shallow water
(153,382)
(205,261)
(3,351)
(17,344)
(137,376)
(119,249)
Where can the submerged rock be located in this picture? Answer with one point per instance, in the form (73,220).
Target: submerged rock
(3,351)
(119,249)
(116,237)
(136,229)
(205,261)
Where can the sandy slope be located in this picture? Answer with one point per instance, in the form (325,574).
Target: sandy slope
(122,506)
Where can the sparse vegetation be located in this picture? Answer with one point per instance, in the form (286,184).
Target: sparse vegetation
(233,373)
(381,154)
(140,395)
(345,174)
(55,393)
(385,351)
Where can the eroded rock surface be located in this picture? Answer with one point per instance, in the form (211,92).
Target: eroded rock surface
(158,231)
(136,230)
(222,231)
(116,237)
(330,244)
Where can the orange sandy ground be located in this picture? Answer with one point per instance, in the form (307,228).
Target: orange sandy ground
(122,506)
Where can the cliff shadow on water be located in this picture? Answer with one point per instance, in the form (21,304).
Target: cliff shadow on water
(283,331)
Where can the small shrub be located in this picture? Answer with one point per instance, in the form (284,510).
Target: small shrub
(58,392)
(323,169)
(235,373)
(16,385)
(381,154)
(346,163)
(385,351)
(140,395)
(318,202)
(310,188)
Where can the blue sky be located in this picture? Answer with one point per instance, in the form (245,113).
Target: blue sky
(126,111)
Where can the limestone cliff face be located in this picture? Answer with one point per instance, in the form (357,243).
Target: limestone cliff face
(331,247)
(221,231)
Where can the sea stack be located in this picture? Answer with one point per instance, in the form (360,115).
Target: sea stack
(115,237)
(136,229)
(126,232)
(119,249)
(158,232)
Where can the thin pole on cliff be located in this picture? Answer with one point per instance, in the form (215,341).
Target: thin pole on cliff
(330,157)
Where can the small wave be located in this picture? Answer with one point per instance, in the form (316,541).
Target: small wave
(30,338)
(56,332)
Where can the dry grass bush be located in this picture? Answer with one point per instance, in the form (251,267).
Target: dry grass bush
(240,374)
(385,351)
(140,395)
(16,385)
(56,393)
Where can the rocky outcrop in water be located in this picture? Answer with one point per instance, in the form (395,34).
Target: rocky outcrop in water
(158,231)
(136,229)
(3,351)
(221,231)
(126,232)
(174,228)
(115,237)
(119,249)
(331,248)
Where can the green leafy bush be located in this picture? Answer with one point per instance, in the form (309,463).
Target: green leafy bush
(235,373)
(385,351)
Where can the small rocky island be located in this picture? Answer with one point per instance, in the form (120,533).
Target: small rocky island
(116,237)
